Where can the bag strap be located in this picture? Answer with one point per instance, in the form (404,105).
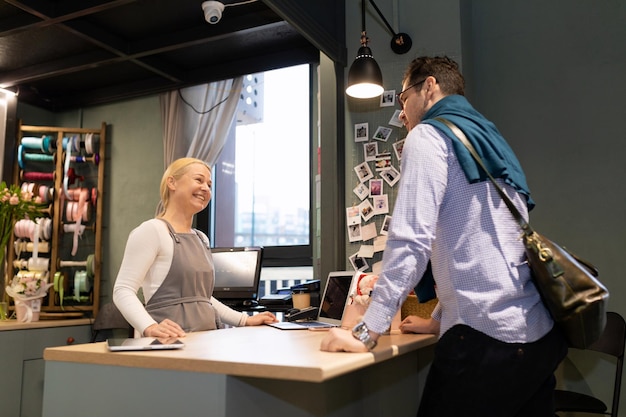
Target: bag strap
(528,231)
(514,211)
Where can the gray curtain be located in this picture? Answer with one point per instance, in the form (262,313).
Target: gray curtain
(196,120)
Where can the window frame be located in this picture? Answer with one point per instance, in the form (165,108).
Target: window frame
(289,255)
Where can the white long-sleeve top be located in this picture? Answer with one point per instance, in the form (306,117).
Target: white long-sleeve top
(146,263)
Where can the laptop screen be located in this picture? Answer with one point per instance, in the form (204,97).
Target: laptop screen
(335,297)
(237,272)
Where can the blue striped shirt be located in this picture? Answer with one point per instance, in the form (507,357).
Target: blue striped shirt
(473,243)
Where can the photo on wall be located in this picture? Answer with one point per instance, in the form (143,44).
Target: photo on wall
(362,191)
(391,175)
(382,133)
(376,187)
(397,148)
(370,150)
(395,119)
(388,98)
(361,132)
(363,171)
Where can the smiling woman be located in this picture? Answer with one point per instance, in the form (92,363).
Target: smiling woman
(172,263)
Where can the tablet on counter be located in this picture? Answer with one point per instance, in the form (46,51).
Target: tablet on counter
(143,343)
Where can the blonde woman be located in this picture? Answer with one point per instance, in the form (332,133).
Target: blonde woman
(171,262)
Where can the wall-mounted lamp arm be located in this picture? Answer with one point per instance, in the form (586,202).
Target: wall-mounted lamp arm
(393,32)
(400,42)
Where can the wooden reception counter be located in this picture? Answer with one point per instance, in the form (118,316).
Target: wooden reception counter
(258,371)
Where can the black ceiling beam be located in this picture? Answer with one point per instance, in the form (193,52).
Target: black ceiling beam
(312,18)
(51,13)
(247,64)
(130,51)
(250,64)
(101,58)
(56,68)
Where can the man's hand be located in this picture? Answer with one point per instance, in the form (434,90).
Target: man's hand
(415,324)
(341,340)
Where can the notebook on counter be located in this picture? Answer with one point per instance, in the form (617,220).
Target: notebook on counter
(332,306)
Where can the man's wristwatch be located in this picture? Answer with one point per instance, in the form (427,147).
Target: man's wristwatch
(361,332)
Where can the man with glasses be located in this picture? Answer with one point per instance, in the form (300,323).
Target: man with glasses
(498,347)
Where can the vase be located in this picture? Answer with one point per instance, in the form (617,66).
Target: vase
(27,311)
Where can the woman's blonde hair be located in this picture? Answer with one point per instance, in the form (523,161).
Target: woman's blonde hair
(176,170)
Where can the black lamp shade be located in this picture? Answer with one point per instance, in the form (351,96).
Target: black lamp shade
(365,80)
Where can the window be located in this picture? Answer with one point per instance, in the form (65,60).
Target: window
(262,179)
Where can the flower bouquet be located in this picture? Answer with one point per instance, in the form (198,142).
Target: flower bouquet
(27,289)
(15,204)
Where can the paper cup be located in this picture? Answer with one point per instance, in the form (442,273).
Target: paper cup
(301,300)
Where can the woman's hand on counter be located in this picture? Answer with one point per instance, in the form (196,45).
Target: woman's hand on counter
(167,328)
(261,318)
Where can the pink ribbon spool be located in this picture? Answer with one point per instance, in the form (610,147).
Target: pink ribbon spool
(37,176)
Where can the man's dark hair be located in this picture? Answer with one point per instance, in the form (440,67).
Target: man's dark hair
(445,71)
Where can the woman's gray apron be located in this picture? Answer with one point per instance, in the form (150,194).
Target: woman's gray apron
(185,295)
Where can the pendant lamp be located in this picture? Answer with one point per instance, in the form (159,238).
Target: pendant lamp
(365,80)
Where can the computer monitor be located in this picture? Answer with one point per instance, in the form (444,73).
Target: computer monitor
(237,272)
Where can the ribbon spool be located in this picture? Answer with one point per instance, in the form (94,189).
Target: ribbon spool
(36,176)
(74,228)
(88,264)
(95,158)
(71,144)
(20,264)
(59,287)
(45,144)
(26,228)
(38,264)
(23,157)
(75,211)
(42,275)
(24,246)
(82,278)
(92,143)
(44,192)
(82,283)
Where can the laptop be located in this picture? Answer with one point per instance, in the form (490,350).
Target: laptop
(143,343)
(332,305)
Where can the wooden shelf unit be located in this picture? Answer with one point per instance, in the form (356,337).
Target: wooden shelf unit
(88,175)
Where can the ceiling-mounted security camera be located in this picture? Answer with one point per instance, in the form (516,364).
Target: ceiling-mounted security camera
(213,11)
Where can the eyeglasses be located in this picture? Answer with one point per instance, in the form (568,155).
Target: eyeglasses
(399,95)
